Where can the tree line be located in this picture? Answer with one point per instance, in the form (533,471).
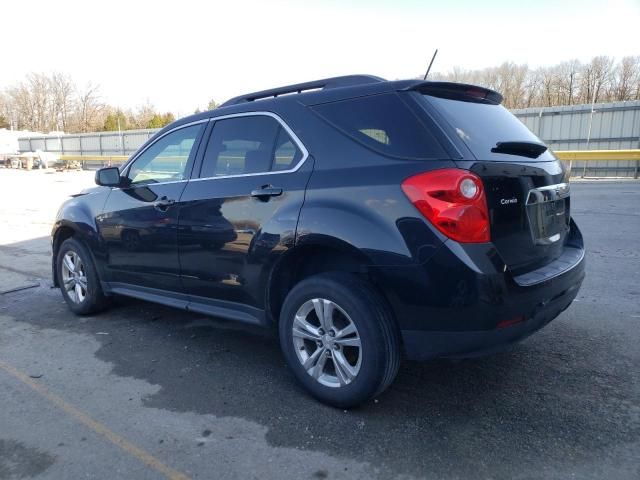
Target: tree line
(54,102)
(603,79)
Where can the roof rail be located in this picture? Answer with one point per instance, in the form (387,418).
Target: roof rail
(325,83)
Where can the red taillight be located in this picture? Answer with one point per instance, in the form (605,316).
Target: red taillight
(453,201)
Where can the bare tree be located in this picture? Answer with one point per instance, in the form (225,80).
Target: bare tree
(6,117)
(62,90)
(626,82)
(89,108)
(596,77)
(549,83)
(510,80)
(143,115)
(31,102)
(22,105)
(567,82)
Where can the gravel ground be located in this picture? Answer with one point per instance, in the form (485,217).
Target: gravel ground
(144,391)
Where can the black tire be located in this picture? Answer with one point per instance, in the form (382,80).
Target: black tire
(378,335)
(94,299)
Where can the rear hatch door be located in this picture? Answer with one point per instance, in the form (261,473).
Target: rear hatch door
(526,186)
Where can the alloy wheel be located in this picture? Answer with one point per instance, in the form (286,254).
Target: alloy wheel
(327,342)
(74,278)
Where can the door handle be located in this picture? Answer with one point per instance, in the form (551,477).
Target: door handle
(265,192)
(164,203)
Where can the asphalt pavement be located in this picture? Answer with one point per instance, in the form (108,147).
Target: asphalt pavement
(145,391)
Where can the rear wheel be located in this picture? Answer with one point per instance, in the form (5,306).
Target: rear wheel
(78,278)
(339,339)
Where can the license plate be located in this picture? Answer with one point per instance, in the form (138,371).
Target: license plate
(547,220)
(553,209)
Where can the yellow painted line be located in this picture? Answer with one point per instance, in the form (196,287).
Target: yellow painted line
(137,452)
(592,155)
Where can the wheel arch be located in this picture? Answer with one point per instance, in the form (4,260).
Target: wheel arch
(64,230)
(321,256)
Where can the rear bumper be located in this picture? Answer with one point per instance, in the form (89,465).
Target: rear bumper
(422,345)
(464,301)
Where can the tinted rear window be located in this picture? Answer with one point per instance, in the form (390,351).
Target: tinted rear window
(383,123)
(482,125)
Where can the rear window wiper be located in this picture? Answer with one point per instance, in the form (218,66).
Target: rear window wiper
(524,149)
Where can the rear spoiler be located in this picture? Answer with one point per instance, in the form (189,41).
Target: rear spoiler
(457,91)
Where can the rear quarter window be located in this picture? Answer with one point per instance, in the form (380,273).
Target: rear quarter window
(384,124)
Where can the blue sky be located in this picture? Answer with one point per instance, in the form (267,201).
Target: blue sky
(178,55)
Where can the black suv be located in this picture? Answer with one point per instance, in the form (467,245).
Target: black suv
(364,219)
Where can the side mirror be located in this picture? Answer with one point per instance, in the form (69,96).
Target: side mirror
(108,177)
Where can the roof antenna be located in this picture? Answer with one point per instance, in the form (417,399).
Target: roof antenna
(430,63)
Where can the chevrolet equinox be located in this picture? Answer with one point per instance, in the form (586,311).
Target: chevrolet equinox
(364,219)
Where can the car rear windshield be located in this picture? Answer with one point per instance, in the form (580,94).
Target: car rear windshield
(383,123)
(481,126)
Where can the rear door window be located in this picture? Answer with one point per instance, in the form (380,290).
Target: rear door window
(383,123)
(249,145)
(482,125)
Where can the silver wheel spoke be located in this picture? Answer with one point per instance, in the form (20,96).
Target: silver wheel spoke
(348,342)
(313,358)
(327,321)
(344,370)
(83,282)
(303,329)
(324,311)
(318,306)
(319,366)
(68,262)
(69,283)
(348,330)
(79,292)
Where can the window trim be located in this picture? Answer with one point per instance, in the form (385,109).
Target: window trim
(294,138)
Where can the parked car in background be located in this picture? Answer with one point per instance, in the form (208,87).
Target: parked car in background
(364,219)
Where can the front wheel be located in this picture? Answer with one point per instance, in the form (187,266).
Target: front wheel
(339,339)
(78,278)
